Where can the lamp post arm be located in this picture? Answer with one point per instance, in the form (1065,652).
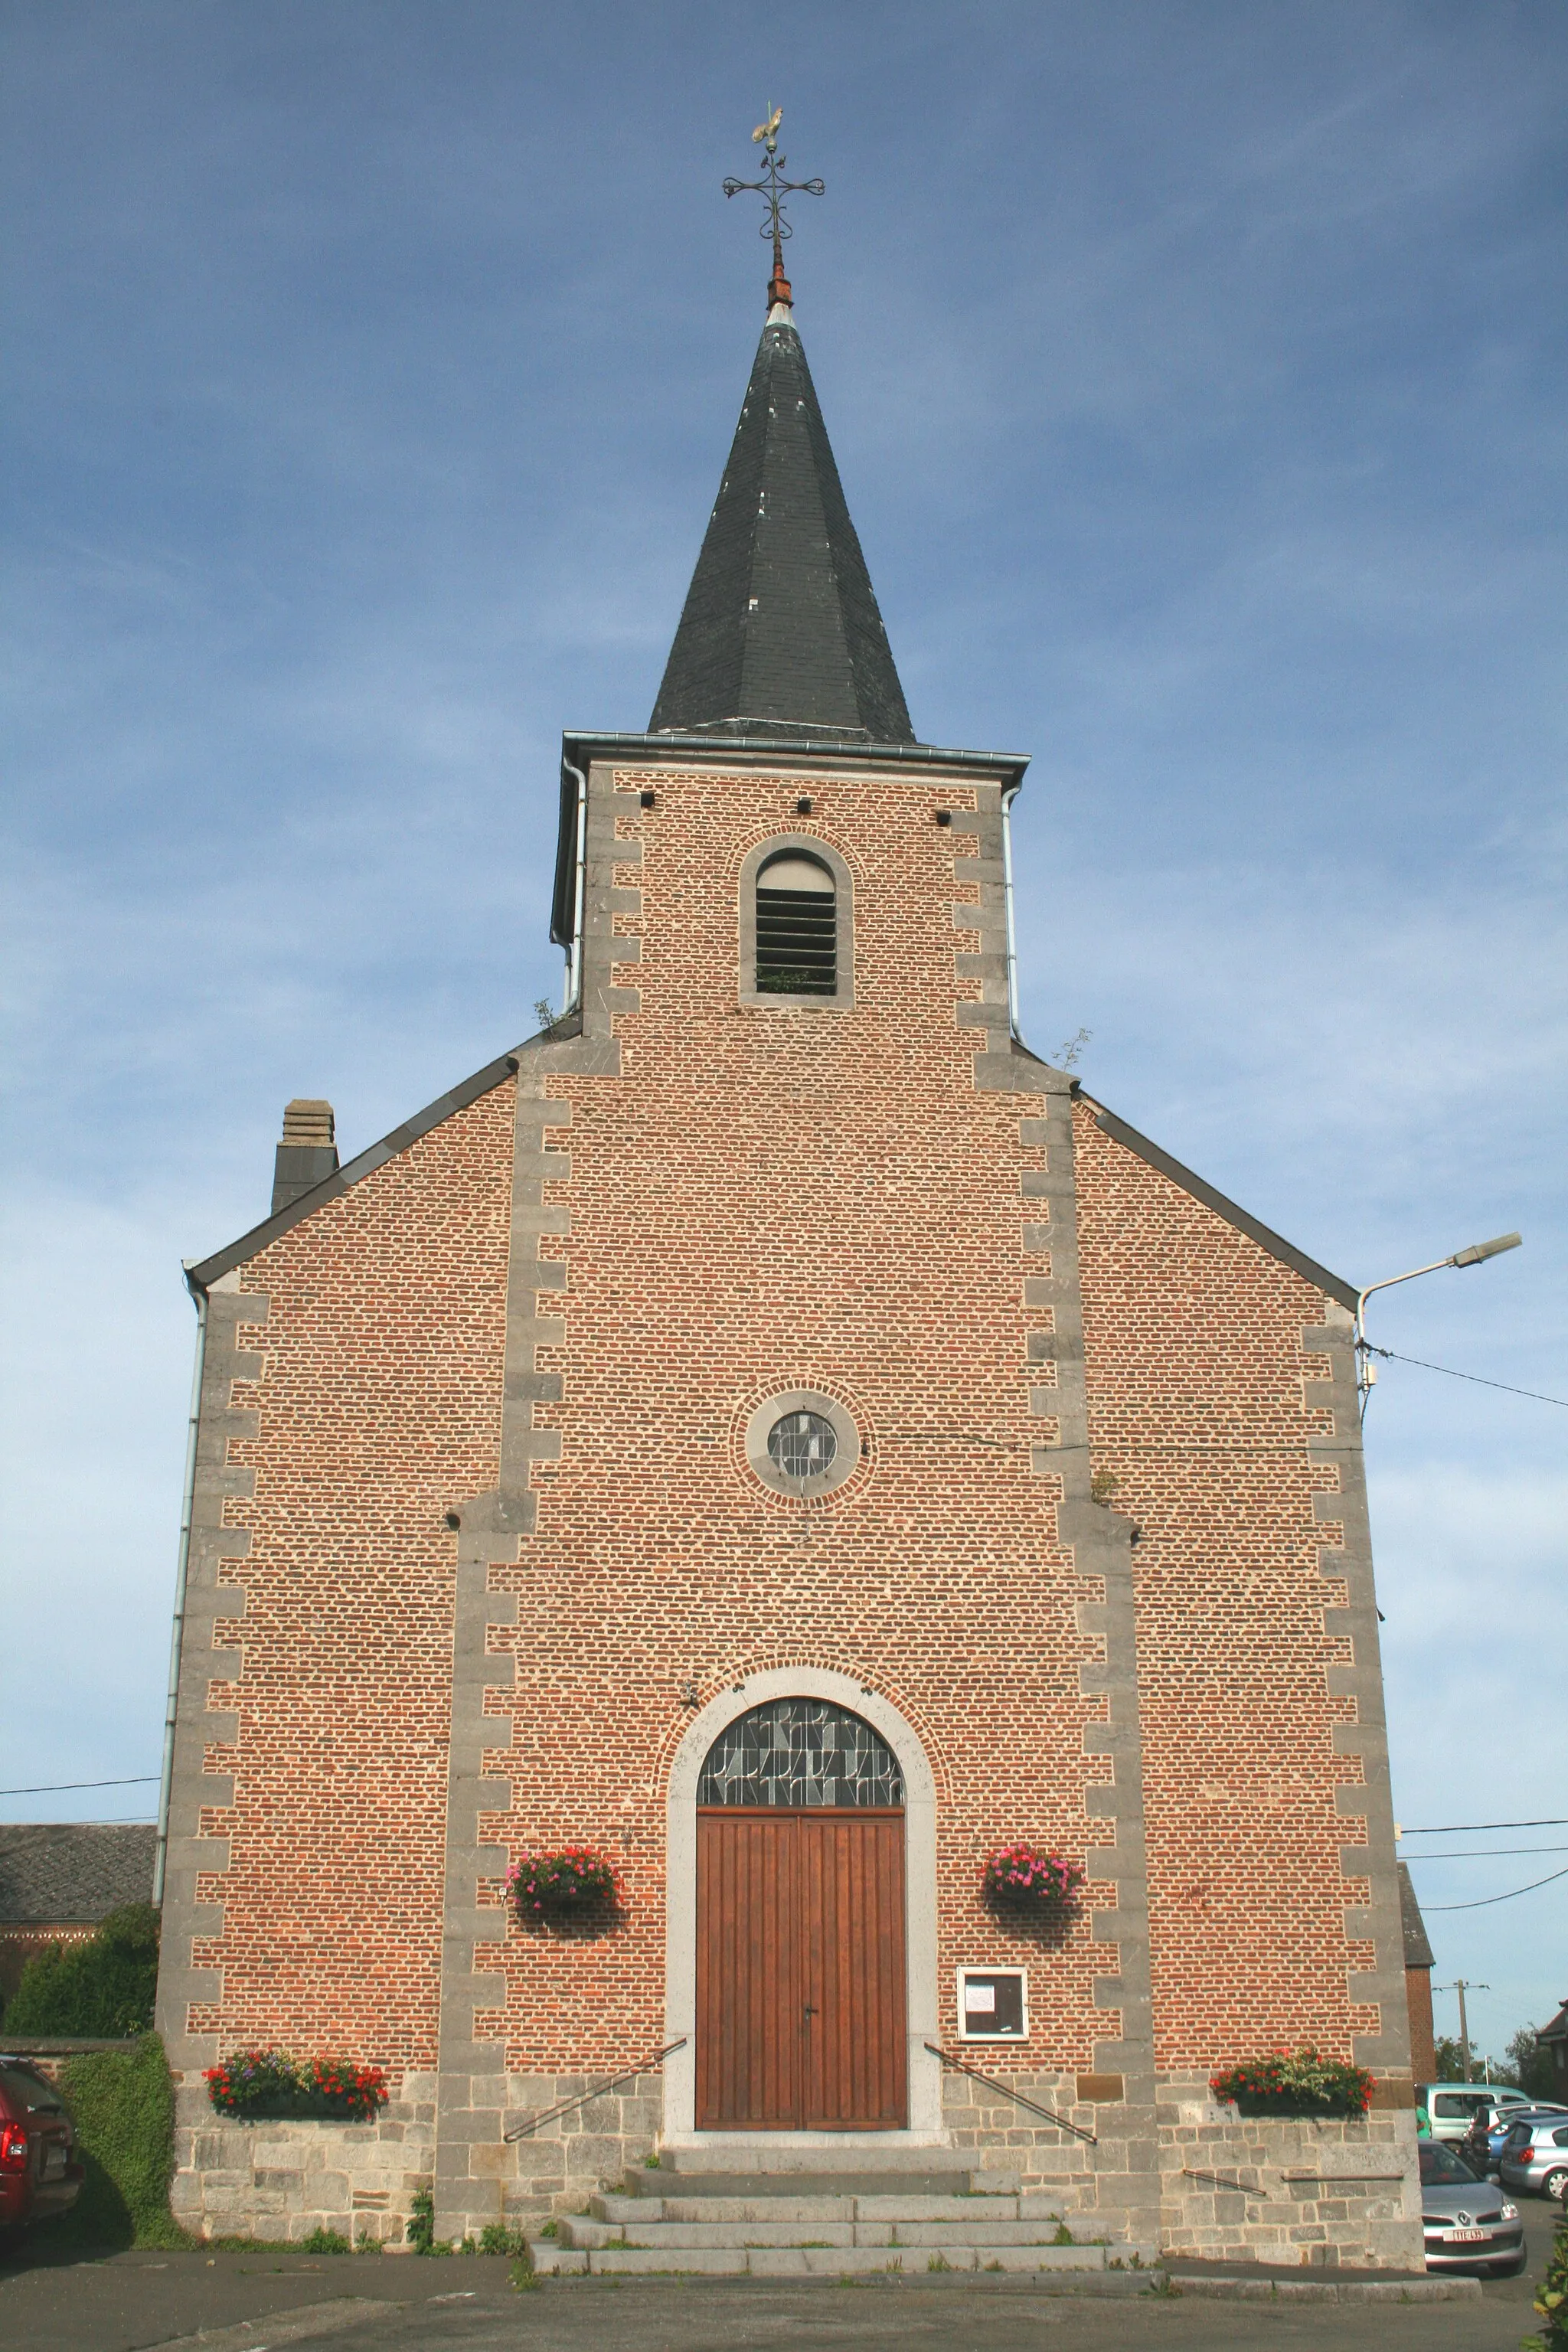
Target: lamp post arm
(1391,1282)
(1477,1255)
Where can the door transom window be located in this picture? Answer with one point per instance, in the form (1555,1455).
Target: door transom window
(797,1752)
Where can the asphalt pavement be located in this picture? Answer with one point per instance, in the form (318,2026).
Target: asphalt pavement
(263,2301)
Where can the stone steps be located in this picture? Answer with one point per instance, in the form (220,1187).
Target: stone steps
(1100,2263)
(816,2213)
(574,2233)
(768,2153)
(796,2180)
(640,2211)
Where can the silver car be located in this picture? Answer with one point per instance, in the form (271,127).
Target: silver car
(1544,2111)
(1535,2155)
(1466,2222)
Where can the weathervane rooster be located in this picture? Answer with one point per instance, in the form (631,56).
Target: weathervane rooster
(772,190)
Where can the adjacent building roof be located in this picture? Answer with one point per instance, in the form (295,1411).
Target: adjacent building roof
(1556,2028)
(1417,1950)
(781,626)
(72,1874)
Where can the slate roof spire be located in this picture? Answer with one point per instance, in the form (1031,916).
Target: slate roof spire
(780,632)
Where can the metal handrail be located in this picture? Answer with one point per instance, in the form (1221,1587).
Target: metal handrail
(993,2083)
(600,2090)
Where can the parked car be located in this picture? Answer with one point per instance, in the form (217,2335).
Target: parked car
(1451,2105)
(1544,2111)
(40,2172)
(1466,2222)
(1535,2155)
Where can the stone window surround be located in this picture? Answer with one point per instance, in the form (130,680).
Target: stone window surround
(802,845)
(842,1468)
(925,2125)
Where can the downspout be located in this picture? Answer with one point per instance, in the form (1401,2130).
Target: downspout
(574,952)
(182,1571)
(1010,794)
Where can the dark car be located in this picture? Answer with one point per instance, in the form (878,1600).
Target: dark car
(1466,2222)
(40,2172)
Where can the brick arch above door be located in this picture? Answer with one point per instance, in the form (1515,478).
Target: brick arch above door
(680,1926)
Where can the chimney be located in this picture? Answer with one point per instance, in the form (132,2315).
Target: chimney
(306,1155)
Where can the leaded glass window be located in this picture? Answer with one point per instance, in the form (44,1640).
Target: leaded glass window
(802,1444)
(800,1751)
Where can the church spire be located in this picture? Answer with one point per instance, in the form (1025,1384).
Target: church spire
(781,631)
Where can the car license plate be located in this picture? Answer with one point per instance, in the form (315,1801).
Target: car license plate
(1465,2237)
(54,2164)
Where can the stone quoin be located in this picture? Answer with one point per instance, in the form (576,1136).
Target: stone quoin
(772,1427)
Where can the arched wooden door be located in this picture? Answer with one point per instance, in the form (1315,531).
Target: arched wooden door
(801,1998)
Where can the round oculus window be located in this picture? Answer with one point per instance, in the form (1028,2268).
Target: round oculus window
(802,1444)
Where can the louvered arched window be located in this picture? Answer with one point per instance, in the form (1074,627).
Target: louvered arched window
(797,927)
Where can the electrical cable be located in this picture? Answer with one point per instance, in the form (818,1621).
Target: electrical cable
(1451,1829)
(1488,1899)
(1487,1853)
(1448,1369)
(54,1787)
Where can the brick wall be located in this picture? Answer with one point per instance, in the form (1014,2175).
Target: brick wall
(369,1403)
(767,1197)
(1201,1401)
(879,1201)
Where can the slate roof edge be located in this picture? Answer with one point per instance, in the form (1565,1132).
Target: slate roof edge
(861,752)
(201,1274)
(1417,1945)
(1334,1284)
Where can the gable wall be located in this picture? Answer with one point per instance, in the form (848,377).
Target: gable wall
(354,1386)
(1214,1408)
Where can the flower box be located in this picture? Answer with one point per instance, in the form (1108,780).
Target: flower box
(1301,2082)
(1025,1878)
(260,2085)
(578,1879)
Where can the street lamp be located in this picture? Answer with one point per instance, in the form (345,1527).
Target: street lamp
(1366,1371)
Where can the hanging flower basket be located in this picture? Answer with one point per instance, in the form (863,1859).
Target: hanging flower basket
(1024,1879)
(252,2086)
(1297,2084)
(551,1885)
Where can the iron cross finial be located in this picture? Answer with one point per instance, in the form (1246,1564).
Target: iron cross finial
(774,190)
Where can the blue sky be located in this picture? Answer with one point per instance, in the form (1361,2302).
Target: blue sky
(1196,376)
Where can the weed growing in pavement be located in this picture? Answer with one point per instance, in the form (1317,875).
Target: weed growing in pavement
(325,2242)
(422,2225)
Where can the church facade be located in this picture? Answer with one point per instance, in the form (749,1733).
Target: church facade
(773,1428)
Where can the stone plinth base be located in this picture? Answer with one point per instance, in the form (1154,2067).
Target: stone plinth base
(281,2179)
(1259,2189)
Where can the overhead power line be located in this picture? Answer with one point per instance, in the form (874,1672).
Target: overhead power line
(1488,1899)
(55,1787)
(1466,1829)
(1447,1370)
(1487,1853)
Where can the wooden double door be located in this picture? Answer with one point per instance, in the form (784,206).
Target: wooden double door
(801,2003)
